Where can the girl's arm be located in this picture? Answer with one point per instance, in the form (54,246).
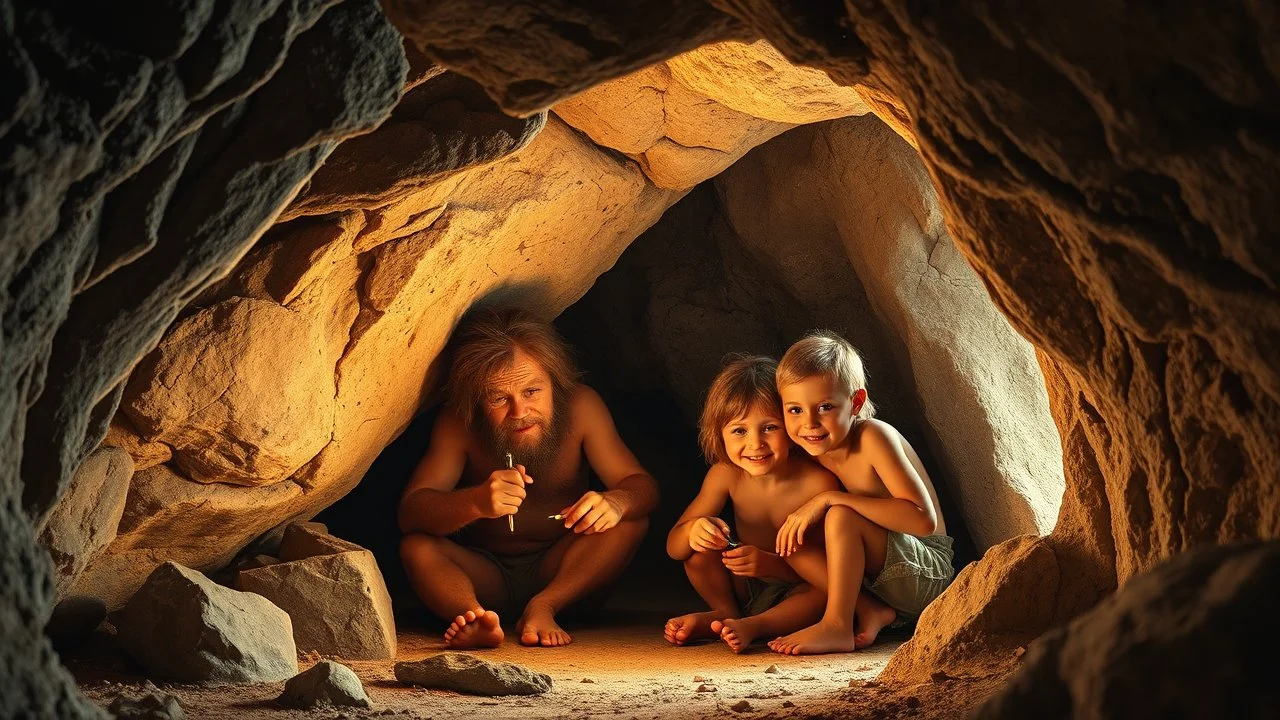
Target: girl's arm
(705,507)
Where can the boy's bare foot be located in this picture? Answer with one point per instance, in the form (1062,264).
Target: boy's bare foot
(868,624)
(737,633)
(538,627)
(477,628)
(821,637)
(694,626)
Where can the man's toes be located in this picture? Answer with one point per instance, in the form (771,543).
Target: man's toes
(716,626)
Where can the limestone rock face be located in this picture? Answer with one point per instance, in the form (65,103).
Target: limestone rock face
(212,520)
(1132,656)
(691,117)
(183,626)
(86,518)
(466,673)
(333,592)
(326,684)
(139,161)
(242,391)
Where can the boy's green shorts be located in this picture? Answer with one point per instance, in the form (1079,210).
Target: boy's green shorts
(916,570)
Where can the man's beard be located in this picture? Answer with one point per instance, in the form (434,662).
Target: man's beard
(535,458)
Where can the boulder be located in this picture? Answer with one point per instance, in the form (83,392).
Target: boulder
(333,592)
(86,518)
(183,626)
(1187,639)
(469,674)
(325,684)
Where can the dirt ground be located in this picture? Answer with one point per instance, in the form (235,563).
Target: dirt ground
(623,669)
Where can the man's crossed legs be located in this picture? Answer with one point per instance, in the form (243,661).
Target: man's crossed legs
(460,584)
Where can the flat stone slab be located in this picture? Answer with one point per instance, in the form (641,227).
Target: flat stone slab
(326,684)
(469,674)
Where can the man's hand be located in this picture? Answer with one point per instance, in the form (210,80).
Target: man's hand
(593,513)
(503,492)
(708,534)
(791,534)
(751,561)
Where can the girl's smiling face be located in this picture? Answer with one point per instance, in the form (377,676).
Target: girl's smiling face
(818,414)
(756,442)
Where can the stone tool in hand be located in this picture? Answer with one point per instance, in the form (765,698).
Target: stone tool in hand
(511,519)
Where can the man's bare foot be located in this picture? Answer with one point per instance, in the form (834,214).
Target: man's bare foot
(694,626)
(821,637)
(477,628)
(538,627)
(737,633)
(868,624)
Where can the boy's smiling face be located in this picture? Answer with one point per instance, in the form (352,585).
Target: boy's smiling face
(756,442)
(819,414)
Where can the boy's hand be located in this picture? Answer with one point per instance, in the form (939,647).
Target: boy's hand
(750,561)
(791,534)
(708,534)
(593,513)
(503,492)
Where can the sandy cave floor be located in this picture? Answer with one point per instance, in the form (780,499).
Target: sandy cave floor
(620,669)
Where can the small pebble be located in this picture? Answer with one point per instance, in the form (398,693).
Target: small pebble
(940,676)
(808,677)
(741,706)
(587,680)
(913,702)
(1018,652)
(706,688)
(699,678)
(773,669)
(788,703)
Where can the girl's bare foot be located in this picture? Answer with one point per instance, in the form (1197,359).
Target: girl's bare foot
(737,633)
(477,628)
(868,624)
(538,627)
(821,637)
(694,626)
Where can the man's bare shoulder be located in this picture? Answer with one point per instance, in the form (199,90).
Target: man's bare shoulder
(587,408)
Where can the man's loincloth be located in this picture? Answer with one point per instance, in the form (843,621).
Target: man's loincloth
(519,576)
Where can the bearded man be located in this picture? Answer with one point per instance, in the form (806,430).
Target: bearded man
(512,388)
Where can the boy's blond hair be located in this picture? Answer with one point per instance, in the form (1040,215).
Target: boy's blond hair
(745,382)
(824,353)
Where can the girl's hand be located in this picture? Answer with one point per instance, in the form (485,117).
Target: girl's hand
(708,533)
(750,561)
(791,534)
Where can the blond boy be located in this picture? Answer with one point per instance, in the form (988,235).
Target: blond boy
(886,533)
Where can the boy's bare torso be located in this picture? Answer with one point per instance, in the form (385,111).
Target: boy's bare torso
(858,475)
(559,485)
(762,504)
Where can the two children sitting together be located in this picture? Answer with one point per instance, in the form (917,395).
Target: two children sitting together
(826,553)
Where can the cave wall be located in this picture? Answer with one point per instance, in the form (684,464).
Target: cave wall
(140,161)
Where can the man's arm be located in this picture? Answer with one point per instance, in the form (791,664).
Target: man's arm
(632,493)
(431,505)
